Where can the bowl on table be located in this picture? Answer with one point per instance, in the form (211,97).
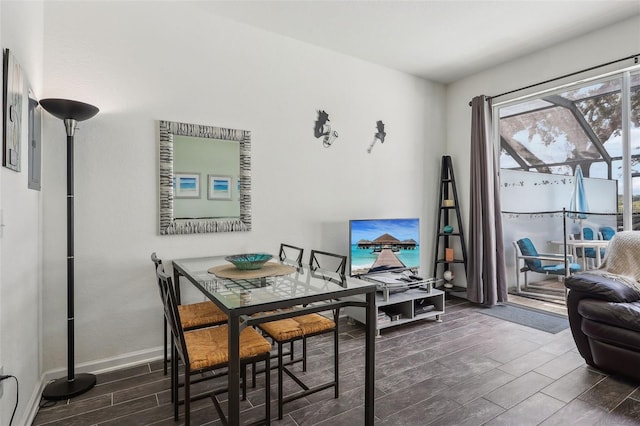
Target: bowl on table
(249,261)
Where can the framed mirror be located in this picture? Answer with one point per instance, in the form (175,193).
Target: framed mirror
(205,179)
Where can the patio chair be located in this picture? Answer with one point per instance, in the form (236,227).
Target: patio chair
(590,252)
(607,232)
(533,261)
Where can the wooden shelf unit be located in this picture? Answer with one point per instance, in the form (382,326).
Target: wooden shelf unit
(448,204)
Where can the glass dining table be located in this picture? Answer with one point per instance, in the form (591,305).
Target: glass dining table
(275,291)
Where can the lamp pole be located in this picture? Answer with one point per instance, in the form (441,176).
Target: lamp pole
(74,384)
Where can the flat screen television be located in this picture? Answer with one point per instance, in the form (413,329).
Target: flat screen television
(382,245)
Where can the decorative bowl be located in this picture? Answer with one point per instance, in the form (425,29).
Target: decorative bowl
(249,261)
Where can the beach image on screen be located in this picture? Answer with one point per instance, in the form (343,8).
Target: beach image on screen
(378,245)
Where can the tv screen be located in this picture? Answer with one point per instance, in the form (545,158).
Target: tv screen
(379,245)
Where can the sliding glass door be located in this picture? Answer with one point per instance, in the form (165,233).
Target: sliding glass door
(546,140)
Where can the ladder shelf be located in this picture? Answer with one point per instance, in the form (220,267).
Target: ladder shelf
(449,232)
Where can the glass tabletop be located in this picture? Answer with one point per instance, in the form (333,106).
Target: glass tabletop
(296,285)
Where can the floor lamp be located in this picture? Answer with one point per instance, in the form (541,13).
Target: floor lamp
(74,384)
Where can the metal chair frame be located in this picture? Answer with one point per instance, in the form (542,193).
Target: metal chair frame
(287,249)
(319,257)
(180,351)
(157,263)
(315,263)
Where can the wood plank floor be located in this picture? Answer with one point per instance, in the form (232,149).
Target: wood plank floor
(471,369)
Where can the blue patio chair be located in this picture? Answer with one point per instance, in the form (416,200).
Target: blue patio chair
(590,252)
(533,261)
(607,232)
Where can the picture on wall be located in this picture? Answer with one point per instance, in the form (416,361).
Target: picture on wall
(12,95)
(187,185)
(35,142)
(219,187)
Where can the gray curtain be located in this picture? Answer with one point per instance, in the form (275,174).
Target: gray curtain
(486,275)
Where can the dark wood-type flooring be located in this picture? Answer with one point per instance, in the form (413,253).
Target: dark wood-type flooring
(471,369)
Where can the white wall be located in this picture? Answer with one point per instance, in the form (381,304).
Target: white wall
(21,237)
(608,44)
(140,63)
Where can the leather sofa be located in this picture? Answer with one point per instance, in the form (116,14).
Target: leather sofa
(604,316)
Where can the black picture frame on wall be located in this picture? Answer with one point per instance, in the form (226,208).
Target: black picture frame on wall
(35,142)
(12,98)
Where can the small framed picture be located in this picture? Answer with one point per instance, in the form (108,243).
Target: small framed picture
(187,185)
(219,187)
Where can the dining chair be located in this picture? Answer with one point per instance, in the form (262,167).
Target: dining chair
(287,253)
(328,261)
(293,254)
(206,349)
(290,253)
(192,315)
(298,328)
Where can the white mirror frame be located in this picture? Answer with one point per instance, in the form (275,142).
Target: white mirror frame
(168,225)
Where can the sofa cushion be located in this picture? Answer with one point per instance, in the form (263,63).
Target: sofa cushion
(624,315)
(612,335)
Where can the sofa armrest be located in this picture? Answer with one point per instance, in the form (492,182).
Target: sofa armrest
(601,287)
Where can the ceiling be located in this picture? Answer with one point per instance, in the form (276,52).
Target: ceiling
(442,41)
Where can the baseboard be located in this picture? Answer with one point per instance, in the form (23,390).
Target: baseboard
(95,367)
(109,364)
(32,406)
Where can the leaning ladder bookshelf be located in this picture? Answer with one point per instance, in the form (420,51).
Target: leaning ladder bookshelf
(449,226)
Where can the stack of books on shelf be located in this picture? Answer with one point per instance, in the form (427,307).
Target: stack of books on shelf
(383,318)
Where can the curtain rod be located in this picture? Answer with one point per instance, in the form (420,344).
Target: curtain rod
(635,57)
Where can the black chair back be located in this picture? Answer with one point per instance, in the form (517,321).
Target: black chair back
(171,313)
(328,261)
(289,252)
(156,263)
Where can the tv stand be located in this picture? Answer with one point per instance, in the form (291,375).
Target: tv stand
(399,302)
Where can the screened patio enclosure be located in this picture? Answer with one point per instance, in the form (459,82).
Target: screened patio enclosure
(595,125)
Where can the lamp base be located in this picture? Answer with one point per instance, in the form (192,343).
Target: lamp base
(64,389)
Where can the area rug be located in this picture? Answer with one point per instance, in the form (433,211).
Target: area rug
(545,321)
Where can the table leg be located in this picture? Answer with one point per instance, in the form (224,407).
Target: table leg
(234,370)
(370,352)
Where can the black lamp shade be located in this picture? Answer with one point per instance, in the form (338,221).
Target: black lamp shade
(67,109)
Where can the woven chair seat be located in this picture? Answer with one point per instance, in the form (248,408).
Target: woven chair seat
(194,315)
(208,347)
(292,328)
